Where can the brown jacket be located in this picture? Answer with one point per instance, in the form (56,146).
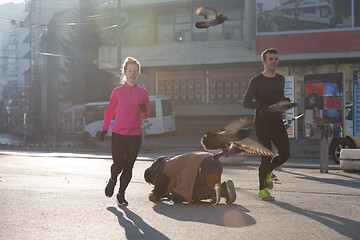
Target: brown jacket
(182,171)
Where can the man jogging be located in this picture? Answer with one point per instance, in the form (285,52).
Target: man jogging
(264,90)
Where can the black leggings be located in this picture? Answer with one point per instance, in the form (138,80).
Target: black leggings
(267,131)
(125,149)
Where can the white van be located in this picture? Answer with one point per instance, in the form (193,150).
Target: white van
(162,116)
(161,119)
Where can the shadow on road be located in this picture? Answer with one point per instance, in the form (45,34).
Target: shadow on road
(353,182)
(347,227)
(136,228)
(223,215)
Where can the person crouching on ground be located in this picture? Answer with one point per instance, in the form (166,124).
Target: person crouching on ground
(189,177)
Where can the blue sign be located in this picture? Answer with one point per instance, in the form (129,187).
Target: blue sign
(356,105)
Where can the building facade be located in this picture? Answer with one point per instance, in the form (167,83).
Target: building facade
(207,71)
(44,122)
(13,104)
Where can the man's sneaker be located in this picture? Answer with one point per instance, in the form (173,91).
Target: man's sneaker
(109,189)
(265,195)
(269,181)
(228,191)
(121,199)
(216,194)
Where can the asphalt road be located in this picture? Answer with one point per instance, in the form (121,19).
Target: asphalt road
(61,196)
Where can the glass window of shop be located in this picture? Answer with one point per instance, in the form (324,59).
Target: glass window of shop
(140,32)
(299,71)
(165,29)
(184,87)
(183,28)
(348,70)
(284,70)
(324,68)
(229,85)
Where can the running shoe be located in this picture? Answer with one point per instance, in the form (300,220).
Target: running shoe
(265,195)
(121,199)
(228,191)
(109,189)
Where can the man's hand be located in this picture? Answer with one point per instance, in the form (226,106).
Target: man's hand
(102,135)
(143,107)
(153,198)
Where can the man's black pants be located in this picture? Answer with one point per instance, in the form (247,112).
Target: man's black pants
(267,131)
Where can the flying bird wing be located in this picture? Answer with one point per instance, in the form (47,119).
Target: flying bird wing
(235,125)
(234,131)
(280,106)
(207,13)
(250,146)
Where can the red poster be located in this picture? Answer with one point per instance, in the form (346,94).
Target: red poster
(323,103)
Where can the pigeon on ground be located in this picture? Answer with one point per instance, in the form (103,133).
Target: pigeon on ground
(211,17)
(280,106)
(233,139)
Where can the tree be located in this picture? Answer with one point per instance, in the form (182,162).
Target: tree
(85,81)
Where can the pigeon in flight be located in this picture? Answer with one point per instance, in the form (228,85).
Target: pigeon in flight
(233,139)
(280,106)
(234,131)
(211,17)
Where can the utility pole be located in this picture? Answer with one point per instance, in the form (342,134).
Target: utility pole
(119,59)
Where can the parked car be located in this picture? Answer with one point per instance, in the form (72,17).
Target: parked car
(349,141)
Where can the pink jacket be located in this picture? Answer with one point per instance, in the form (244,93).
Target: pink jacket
(124,101)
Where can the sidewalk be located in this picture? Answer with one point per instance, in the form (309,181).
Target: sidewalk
(171,141)
(304,152)
(299,148)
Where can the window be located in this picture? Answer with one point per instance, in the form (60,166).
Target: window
(165,29)
(183,27)
(349,112)
(216,32)
(94,113)
(233,26)
(140,30)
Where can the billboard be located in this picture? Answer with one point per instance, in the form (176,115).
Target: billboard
(308,26)
(323,104)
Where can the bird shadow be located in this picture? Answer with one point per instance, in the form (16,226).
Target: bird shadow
(347,227)
(134,225)
(352,182)
(222,214)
